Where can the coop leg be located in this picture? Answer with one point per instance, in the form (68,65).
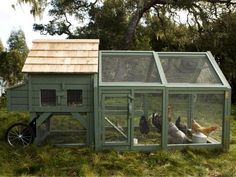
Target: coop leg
(84,122)
(40,136)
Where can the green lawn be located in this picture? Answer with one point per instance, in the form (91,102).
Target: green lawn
(48,160)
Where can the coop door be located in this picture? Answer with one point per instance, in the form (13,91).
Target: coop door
(116,118)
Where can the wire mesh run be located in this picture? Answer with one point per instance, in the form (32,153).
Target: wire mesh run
(188,69)
(129,68)
(64,129)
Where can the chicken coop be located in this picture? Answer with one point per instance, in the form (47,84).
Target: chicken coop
(123,100)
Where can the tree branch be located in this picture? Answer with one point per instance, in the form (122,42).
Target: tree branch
(137,15)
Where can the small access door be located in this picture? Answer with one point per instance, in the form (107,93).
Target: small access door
(116,119)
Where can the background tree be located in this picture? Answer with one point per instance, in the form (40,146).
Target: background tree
(167,35)
(1,46)
(17,42)
(2,57)
(148,24)
(12,60)
(107,22)
(63,11)
(220,40)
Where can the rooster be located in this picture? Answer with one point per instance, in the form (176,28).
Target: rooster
(205,130)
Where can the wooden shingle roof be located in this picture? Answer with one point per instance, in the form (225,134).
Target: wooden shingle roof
(63,56)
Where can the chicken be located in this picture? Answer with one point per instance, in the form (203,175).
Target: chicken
(175,136)
(182,127)
(156,121)
(205,130)
(144,125)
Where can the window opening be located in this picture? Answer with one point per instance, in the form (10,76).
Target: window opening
(74,97)
(48,97)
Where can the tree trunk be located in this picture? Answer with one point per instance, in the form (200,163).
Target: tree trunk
(131,29)
(135,18)
(137,15)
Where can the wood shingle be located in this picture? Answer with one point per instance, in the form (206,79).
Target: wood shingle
(63,56)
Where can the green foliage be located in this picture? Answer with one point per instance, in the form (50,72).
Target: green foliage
(166,35)
(17,42)
(2,58)
(147,25)
(11,61)
(12,65)
(1,46)
(37,6)
(108,23)
(3,102)
(63,12)
(219,38)
(47,160)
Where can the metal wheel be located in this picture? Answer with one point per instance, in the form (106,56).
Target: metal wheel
(19,135)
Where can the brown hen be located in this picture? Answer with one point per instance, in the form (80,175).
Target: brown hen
(205,130)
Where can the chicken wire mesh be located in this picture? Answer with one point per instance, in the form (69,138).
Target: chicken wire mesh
(63,129)
(115,120)
(129,68)
(185,69)
(196,114)
(145,106)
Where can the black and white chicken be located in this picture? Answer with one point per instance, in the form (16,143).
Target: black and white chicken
(156,121)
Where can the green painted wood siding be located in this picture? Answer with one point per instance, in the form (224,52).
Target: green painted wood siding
(17,98)
(61,83)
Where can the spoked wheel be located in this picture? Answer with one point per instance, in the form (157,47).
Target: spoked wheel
(19,135)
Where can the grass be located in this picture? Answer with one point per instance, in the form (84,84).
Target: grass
(48,160)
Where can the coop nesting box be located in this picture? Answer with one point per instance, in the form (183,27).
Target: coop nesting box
(124,100)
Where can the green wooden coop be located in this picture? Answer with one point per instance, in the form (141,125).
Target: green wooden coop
(124,100)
